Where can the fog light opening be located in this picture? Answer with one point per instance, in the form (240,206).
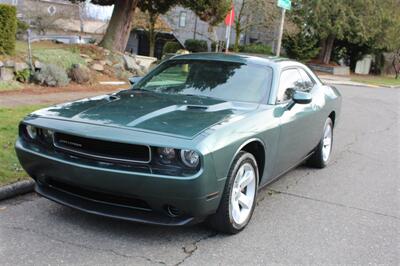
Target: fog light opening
(172,211)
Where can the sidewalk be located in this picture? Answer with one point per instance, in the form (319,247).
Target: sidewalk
(342,80)
(346,80)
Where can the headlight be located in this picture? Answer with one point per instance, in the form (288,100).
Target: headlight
(32,131)
(166,154)
(190,158)
(48,135)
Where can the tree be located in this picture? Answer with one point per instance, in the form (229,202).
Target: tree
(153,9)
(250,14)
(356,21)
(213,12)
(120,25)
(300,46)
(390,38)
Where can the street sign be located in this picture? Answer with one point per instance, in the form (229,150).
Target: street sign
(285,4)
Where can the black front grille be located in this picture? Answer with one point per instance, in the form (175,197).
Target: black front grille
(102,150)
(100,196)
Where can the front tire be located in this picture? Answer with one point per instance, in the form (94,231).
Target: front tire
(322,154)
(239,198)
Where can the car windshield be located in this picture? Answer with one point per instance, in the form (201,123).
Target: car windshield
(222,80)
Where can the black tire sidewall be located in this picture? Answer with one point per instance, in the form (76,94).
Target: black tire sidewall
(242,158)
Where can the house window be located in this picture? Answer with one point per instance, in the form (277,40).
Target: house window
(182,19)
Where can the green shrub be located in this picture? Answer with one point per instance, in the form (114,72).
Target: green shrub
(256,49)
(65,58)
(171,47)
(196,46)
(8,29)
(300,46)
(23,76)
(52,75)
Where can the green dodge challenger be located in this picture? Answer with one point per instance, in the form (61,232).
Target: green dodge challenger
(192,141)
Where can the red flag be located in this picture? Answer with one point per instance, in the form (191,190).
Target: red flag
(230,18)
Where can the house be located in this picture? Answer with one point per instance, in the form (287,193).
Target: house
(138,42)
(181,24)
(61,17)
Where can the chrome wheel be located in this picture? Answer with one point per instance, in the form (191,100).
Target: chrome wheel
(243,194)
(327,143)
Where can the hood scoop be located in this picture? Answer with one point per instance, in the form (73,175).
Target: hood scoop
(196,107)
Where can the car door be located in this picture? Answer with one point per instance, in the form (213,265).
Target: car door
(297,136)
(317,104)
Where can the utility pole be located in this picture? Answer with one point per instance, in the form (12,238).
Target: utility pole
(195,27)
(80,7)
(28,32)
(278,48)
(284,5)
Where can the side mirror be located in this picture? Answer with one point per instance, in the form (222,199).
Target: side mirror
(134,80)
(302,97)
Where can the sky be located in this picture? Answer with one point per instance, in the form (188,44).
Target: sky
(98,12)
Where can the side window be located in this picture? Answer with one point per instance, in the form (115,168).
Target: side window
(308,83)
(290,80)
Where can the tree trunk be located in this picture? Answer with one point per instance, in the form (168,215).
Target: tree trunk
(328,49)
(394,64)
(152,34)
(238,31)
(119,28)
(152,42)
(322,45)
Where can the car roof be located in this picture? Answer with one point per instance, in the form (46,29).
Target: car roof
(239,58)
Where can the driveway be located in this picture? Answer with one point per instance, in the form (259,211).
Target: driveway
(348,213)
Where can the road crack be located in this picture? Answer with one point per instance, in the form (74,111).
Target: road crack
(190,249)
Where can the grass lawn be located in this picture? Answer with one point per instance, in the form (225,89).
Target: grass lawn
(50,52)
(377,80)
(10,170)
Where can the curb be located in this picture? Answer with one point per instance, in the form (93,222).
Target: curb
(355,84)
(16,189)
(358,84)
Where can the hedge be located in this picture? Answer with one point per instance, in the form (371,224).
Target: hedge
(8,28)
(196,46)
(256,49)
(171,47)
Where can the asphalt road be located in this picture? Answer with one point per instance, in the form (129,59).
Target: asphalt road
(348,213)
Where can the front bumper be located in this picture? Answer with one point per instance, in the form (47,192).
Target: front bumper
(132,196)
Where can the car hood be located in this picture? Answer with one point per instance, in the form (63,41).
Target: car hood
(179,115)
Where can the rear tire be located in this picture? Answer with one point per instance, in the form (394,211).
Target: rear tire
(239,197)
(322,153)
